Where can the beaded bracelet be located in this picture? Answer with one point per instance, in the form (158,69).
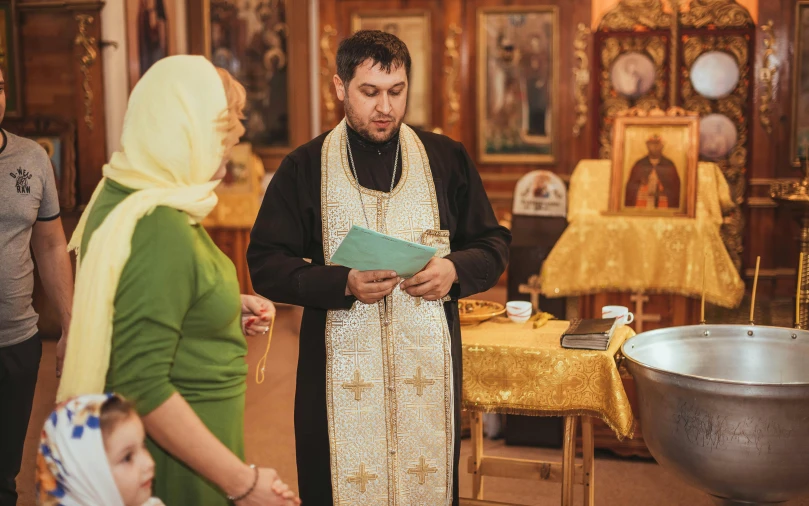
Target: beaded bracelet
(250,490)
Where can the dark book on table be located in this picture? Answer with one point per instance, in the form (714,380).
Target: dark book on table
(589,334)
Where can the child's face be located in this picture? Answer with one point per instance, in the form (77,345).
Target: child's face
(131,465)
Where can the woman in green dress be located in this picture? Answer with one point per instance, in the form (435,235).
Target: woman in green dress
(158,316)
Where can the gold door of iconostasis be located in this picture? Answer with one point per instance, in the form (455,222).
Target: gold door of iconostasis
(701,60)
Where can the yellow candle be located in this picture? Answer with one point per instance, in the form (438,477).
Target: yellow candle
(702,310)
(798,292)
(755,286)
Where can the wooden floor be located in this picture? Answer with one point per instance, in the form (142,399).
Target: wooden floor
(270,440)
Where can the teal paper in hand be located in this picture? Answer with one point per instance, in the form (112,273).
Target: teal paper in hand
(367,250)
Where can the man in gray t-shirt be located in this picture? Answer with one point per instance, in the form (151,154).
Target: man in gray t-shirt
(29,219)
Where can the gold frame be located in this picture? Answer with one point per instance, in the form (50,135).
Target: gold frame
(482,95)
(616,181)
(274,151)
(426,17)
(793,135)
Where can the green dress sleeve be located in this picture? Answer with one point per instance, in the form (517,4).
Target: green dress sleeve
(156,290)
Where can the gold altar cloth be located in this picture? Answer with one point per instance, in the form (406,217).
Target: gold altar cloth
(516,369)
(603,253)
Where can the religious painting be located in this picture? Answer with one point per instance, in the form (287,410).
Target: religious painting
(715,74)
(518,79)
(9,61)
(633,74)
(151,34)
(413,28)
(718,135)
(540,193)
(58,138)
(249,39)
(654,166)
(800,121)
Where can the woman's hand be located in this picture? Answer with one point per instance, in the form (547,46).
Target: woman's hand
(257,312)
(270,491)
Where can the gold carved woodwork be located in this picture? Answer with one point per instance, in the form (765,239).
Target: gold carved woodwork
(643,15)
(734,107)
(675,28)
(612,102)
(655,112)
(719,13)
(581,77)
(452,70)
(87,59)
(769,69)
(629,14)
(327,71)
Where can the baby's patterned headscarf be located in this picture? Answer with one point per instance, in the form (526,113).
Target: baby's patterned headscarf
(72,466)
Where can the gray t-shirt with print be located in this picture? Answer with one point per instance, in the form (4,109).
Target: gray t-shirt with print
(27,195)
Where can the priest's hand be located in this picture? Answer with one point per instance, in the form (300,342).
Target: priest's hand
(370,287)
(433,282)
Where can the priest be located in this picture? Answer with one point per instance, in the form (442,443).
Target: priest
(377,405)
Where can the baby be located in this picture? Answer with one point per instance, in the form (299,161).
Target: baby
(92,453)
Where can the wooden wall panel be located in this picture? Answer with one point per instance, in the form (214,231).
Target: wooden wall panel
(233,242)
(54,83)
(772,232)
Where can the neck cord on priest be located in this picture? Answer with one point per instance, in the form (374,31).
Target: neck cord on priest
(357,179)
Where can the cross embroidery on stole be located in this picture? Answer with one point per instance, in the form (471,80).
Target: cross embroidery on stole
(419,381)
(422,470)
(362,478)
(358,386)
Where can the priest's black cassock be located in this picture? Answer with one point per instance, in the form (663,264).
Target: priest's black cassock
(289,229)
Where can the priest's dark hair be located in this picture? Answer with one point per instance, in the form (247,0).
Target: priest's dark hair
(384,49)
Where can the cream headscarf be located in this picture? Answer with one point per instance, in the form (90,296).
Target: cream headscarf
(171,146)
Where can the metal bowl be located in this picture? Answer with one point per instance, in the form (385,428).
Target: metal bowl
(726,408)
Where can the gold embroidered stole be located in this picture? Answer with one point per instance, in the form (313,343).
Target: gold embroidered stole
(388,367)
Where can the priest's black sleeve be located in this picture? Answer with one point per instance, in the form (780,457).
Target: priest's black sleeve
(283,236)
(480,245)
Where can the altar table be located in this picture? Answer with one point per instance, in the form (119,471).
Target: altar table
(516,369)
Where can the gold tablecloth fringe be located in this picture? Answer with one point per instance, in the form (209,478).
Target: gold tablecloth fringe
(620,432)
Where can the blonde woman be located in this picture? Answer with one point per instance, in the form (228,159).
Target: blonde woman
(158,315)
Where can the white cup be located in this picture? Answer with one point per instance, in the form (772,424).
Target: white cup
(620,312)
(519,310)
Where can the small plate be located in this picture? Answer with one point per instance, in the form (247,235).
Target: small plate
(477,311)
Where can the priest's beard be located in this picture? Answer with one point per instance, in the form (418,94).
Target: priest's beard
(367,129)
